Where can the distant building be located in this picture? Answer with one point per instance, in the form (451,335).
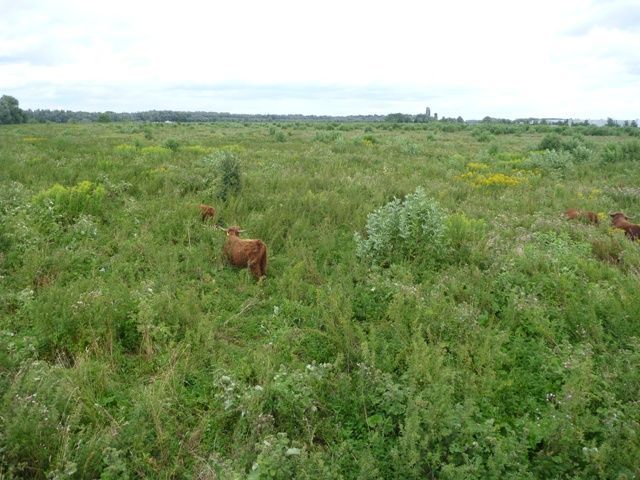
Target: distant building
(428,113)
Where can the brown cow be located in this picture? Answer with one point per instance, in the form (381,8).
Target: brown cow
(207,211)
(619,220)
(590,217)
(241,252)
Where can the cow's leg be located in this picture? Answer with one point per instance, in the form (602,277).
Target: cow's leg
(254,266)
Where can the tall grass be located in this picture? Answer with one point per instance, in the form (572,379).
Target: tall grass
(491,338)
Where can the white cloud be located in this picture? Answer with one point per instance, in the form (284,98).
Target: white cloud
(466,58)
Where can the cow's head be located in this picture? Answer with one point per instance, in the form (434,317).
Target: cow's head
(233,231)
(617,216)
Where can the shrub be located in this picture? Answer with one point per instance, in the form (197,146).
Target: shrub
(582,154)
(616,152)
(172,145)
(552,141)
(277,134)
(482,135)
(413,228)
(408,147)
(67,203)
(574,145)
(228,169)
(326,136)
(549,160)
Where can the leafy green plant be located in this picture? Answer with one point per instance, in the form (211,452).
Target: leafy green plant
(66,203)
(549,160)
(229,174)
(620,152)
(172,145)
(413,228)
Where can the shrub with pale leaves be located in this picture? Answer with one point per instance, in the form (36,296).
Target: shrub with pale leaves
(413,228)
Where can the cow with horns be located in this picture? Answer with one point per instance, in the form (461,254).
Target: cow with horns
(621,221)
(245,253)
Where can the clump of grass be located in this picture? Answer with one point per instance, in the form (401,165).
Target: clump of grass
(277,134)
(126,148)
(172,145)
(196,149)
(326,136)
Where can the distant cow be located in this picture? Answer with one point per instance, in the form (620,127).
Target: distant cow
(243,253)
(584,215)
(620,220)
(207,211)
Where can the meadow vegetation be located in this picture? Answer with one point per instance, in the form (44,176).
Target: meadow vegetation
(428,311)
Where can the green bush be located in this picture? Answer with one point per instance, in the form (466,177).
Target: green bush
(482,135)
(575,145)
(412,229)
(228,171)
(549,160)
(172,145)
(552,141)
(67,203)
(621,152)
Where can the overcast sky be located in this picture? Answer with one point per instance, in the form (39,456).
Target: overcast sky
(559,58)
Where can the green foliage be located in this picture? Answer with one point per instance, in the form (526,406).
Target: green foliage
(104,118)
(67,203)
(551,141)
(575,145)
(549,160)
(277,459)
(469,331)
(172,145)
(10,111)
(412,228)
(277,134)
(228,171)
(621,152)
(482,135)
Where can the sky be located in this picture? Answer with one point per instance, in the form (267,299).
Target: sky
(508,59)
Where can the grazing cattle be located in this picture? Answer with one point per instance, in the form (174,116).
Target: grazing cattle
(241,252)
(207,211)
(620,220)
(584,215)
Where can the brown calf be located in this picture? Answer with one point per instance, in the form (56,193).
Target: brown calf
(590,217)
(241,252)
(207,211)
(620,220)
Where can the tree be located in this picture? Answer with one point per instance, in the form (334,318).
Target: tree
(104,118)
(399,118)
(10,111)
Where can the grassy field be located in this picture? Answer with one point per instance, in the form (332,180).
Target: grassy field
(464,330)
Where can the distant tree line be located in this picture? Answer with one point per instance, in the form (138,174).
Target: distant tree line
(10,112)
(68,116)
